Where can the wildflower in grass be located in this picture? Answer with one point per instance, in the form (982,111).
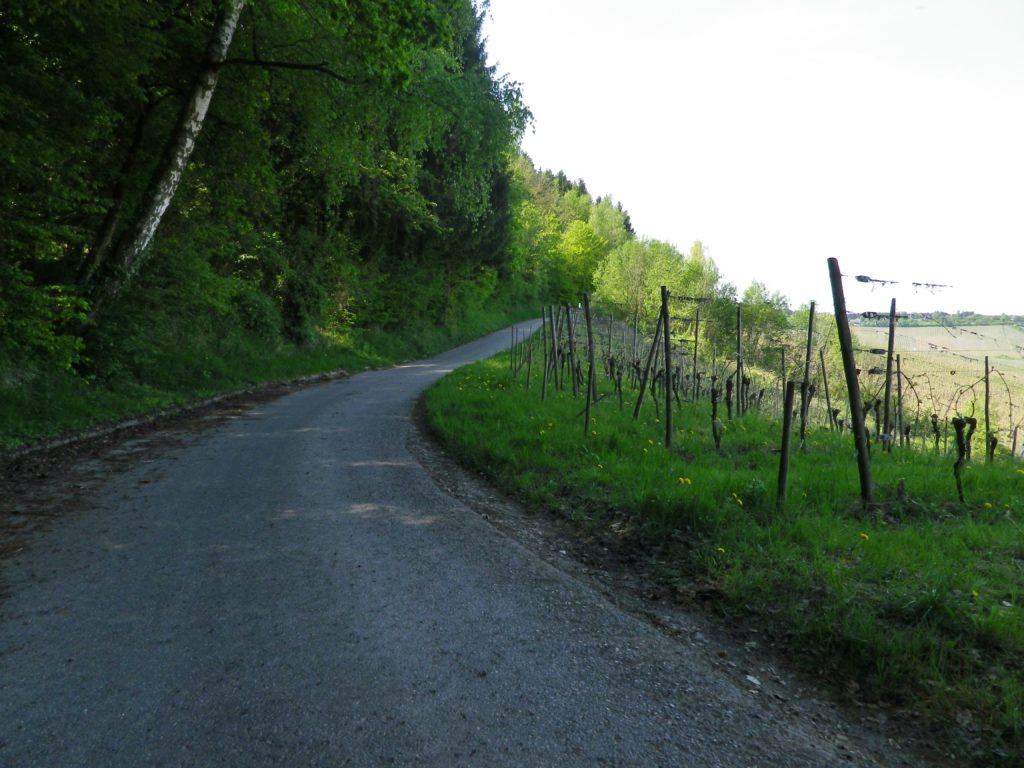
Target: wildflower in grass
(864,536)
(685,481)
(974,594)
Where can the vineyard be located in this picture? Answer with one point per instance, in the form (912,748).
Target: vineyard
(913,599)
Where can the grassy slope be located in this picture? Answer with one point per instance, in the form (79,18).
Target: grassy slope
(917,600)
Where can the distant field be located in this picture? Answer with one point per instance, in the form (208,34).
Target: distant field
(944,369)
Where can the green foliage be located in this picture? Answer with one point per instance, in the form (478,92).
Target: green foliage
(630,278)
(28,315)
(581,251)
(352,179)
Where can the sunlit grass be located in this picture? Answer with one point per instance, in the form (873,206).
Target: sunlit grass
(917,598)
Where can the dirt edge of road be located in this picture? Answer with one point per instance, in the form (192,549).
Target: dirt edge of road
(627,576)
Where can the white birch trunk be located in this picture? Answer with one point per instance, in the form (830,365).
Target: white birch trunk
(176,156)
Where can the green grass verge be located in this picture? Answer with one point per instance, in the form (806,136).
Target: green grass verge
(917,600)
(178,368)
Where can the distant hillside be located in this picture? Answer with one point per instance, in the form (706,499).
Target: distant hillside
(942,318)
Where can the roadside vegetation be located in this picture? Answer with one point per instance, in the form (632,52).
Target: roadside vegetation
(915,600)
(357,196)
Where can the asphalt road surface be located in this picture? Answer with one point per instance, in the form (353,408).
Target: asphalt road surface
(290,588)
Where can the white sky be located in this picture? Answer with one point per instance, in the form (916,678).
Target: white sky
(886,133)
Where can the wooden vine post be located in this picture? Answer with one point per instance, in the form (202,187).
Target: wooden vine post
(989,452)
(591,376)
(696,336)
(886,422)
(860,437)
(544,346)
(961,455)
(739,359)
(668,367)
(899,402)
(572,351)
(787,428)
(783,350)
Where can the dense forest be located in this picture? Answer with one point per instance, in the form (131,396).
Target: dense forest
(351,168)
(192,189)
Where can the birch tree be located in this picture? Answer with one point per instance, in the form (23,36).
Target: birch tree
(132,253)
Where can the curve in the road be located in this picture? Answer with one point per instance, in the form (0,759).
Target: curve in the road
(292,589)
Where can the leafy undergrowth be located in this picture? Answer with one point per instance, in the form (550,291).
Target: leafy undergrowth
(149,372)
(915,600)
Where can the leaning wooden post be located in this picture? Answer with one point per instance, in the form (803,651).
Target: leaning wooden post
(886,421)
(806,383)
(590,365)
(668,367)
(556,339)
(646,372)
(787,424)
(828,398)
(988,428)
(860,438)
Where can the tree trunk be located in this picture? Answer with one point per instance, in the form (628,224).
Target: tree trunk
(132,253)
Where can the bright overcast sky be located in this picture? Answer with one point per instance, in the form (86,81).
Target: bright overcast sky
(886,133)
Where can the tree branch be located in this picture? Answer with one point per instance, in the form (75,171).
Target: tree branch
(321,67)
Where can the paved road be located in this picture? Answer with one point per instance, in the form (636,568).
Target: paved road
(291,589)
